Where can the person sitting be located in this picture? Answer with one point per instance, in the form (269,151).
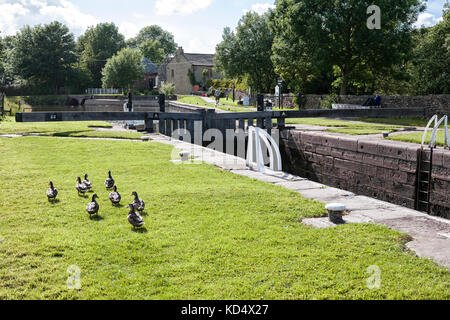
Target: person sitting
(373,102)
(377,100)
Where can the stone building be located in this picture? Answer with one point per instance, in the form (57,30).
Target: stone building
(150,75)
(176,70)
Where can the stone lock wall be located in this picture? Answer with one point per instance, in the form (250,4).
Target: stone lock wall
(384,170)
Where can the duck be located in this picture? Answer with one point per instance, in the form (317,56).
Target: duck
(51,192)
(115,196)
(81,187)
(93,207)
(86,182)
(134,218)
(109,182)
(139,204)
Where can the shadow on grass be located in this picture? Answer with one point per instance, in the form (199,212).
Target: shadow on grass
(142,230)
(118,205)
(96,218)
(69,133)
(54,201)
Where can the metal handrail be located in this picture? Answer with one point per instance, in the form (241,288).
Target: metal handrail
(255,135)
(437,124)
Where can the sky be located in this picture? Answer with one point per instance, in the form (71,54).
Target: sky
(196,24)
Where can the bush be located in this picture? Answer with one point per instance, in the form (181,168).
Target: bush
(168,89)
(328,102)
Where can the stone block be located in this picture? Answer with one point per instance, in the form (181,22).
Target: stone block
(347,143)
(407,166)
(330,141)
(438,158)
(337,153)
(373,160)
(323,150)
(344,164)
(352,156)
(370,147)
(391,163)
(386,149)
(446,160)
(411,153)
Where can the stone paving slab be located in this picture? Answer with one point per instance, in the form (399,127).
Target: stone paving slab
(326,194)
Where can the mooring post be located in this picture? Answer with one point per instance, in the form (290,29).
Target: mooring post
(130,102)
(162,102)
(299,101)
(260,102)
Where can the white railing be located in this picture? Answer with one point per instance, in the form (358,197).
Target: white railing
(103,91)
(437,124)
(255,136)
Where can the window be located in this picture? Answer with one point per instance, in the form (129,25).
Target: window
(173,73)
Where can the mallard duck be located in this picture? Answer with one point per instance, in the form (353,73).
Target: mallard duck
(86,182)
(139,204)
(93,207)
(81,187)
(115,196)
(134,218)
(109,182)
(51,192)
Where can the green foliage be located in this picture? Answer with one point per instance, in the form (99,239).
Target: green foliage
(159,39)
(328,102)
(167,89)
(123,69)
(192,79)
(153,51)
(239,84)
(246,53)
(313,36)
(96,46)
(43,55)
(431,63)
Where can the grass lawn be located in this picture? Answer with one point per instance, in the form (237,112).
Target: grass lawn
(209,234)
(65,129)
(345,126)
(411,122)
(416,137)
(196,100)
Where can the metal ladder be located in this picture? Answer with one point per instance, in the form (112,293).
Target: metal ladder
(425,164)
(424,180)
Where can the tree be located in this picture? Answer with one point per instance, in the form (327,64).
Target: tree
(123,69)
(43,55)
(96,46)
(154,33)
(247,52)
(335,33)
(431,63)
(152,50)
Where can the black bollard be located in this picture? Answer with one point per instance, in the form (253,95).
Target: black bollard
(260,102)
(162,102)
(130,102)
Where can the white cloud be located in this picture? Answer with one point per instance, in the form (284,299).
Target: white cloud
(181,7)
(260,8)
(17,13)
(200,45)
(10,13)
(427,19)
(129,29)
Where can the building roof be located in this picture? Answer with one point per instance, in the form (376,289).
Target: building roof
(149,67)
(200,59)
